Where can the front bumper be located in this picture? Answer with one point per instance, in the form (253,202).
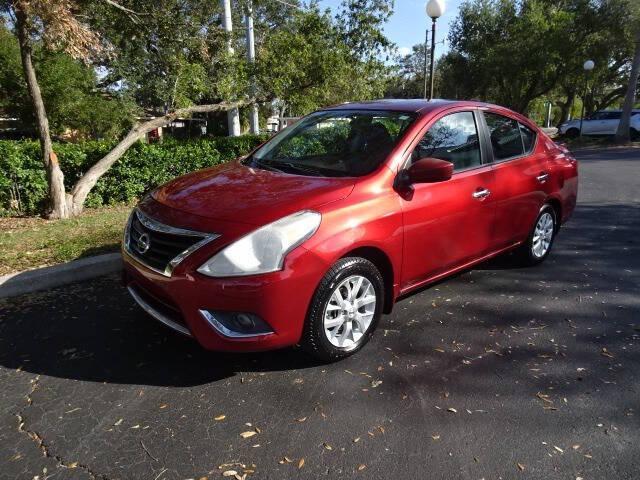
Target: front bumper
(280,298)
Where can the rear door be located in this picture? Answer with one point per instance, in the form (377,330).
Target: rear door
(610,123)
(448,224)
(521,177)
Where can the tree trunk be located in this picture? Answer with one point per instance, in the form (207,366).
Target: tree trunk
(84,185)
(57,197)
(565,107)
(622,135)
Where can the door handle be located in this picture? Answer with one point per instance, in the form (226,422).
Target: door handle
(542,177)
(481,193)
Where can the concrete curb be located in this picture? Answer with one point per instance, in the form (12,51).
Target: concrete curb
(49,277)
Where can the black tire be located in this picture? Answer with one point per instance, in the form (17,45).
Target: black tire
(634,134)
(572,133)
(314,340)
(526,252)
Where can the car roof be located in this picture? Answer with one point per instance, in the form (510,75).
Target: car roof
(416,105)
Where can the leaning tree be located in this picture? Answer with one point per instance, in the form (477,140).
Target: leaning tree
(58,25)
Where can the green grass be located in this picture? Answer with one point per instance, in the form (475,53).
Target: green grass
(27,243)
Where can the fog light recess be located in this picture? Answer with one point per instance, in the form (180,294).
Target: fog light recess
(236,324)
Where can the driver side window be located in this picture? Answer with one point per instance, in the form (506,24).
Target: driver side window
(454,138)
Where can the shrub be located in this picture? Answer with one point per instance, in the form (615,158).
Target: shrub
(23,183)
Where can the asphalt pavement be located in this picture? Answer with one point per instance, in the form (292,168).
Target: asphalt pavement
(497,373)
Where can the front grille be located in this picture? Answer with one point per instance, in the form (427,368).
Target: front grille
(158,246)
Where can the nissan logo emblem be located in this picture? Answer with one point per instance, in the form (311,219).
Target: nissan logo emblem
(143,243)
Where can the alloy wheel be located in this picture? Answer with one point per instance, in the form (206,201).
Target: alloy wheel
(349,311)
(542,235)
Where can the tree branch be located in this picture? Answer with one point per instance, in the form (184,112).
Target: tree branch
(133,16)
(84,185)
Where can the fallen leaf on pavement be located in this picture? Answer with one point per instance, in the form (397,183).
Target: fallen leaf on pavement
(219,417)
(361,467)
(248,434)
(520,467)
(301,463)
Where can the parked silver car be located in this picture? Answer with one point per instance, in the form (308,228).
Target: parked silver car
(603,122)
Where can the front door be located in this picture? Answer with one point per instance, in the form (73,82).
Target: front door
(448,224)
(595,125)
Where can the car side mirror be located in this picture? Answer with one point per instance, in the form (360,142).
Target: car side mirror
(430,170)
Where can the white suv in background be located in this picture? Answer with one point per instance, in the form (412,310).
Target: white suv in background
(604,122)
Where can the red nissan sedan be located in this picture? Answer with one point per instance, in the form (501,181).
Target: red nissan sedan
(313,235)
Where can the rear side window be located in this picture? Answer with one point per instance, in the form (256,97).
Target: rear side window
(528,138)
(506,139)
(453,138)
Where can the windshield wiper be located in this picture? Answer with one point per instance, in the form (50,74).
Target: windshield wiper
(295,167)
(255,162)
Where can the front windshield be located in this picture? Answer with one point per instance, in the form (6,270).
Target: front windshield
(340,143)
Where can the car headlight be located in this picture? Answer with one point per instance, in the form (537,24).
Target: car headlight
(264,249)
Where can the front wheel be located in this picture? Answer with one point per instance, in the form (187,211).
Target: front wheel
(538,245)
(345,309)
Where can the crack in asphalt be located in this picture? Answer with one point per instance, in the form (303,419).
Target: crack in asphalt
(40,442)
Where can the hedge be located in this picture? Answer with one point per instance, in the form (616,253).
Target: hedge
(23,186)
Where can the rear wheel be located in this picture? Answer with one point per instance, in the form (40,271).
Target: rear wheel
(572,133)
(634,134)
(538,245)
(345,309)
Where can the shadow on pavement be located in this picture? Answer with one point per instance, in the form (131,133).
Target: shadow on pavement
(94,331)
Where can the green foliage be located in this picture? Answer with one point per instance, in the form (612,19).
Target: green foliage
(23,186)
(521,53)
(68,90)
(316,141)
(408,75)
(10,69)
(311,61)
(360,23)
(511,52)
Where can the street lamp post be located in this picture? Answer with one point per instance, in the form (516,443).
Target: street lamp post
(435,9)
(254,122)
(588,66)
(426,46)
(233,115)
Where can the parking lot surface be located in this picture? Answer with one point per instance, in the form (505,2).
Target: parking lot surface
(497,373)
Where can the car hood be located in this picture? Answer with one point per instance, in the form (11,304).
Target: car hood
(235,192)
